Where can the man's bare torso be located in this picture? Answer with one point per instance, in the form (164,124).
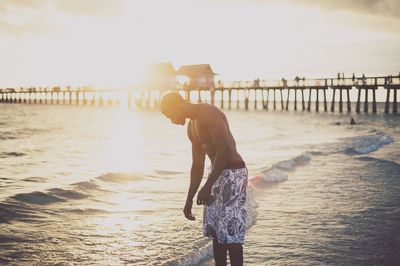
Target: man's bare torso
(198,133)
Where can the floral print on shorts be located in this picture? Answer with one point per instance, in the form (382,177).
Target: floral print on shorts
(224,218)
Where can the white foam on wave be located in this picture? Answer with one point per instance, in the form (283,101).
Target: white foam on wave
(251,208)
(274,175)
(288,165)
(278,171)
(370,143)
(198,256)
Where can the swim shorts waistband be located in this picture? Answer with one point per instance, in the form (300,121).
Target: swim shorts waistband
(235,165)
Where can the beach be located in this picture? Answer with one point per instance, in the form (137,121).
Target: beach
(106,186)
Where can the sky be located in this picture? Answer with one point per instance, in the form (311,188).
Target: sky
(110,42)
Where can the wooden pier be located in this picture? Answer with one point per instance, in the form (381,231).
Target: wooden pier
(259,93)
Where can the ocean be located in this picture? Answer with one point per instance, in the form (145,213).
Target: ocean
(107,185)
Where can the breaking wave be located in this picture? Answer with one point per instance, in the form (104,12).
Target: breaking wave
(278,172)
(29,206)
(119,177)
(86,185)
(37,197)
(368,143)
(11,154)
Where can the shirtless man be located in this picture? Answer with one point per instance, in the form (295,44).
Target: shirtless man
(224,193)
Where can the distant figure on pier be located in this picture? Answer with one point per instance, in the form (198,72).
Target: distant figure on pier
(387,80)
(297,79)
(364,80)
(338,75)
(353,78)
(284,82)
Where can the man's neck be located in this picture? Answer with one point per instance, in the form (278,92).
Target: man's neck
(191,110)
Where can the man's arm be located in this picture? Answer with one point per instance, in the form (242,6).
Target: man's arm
(197,170)
(196,174)
(218,133)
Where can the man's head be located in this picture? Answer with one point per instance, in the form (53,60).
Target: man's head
(171,107)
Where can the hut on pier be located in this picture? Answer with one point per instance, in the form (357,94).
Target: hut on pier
(161,76)
(200,76)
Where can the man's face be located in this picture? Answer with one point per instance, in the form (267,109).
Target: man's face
(176,116)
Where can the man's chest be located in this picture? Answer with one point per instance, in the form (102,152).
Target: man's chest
(200,133)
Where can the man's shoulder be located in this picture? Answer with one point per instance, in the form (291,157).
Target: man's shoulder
(209,107)
(208,113)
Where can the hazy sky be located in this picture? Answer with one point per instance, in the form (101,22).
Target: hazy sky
(51,42)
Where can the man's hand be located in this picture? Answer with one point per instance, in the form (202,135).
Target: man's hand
(204,195)
(187,210)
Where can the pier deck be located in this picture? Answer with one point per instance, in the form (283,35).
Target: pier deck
(263,92)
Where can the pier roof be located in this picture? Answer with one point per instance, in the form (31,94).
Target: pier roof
(196,70)
(162,69)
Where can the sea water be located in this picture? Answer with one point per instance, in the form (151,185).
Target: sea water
(106,186)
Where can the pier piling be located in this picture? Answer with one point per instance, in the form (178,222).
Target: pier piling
(358,100)
(366,101)
(287,100)
(387,100)
(333,100)
(374,101)
(348,101)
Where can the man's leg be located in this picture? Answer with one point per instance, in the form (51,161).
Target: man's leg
(236,254)
(219,253)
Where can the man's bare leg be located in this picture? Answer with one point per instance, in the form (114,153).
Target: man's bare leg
(235,254)
(219,253)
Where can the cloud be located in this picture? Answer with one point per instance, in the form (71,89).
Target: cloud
(19,17)
(79,7)
(104,8)
(387,8)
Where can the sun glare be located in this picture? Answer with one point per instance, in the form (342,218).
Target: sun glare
(240,39)
(124,148)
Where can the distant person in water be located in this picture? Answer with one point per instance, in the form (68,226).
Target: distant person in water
(224,193)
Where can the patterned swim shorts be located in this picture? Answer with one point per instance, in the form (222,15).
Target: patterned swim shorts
(224,218)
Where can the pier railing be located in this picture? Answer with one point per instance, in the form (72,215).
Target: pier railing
(258,89)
